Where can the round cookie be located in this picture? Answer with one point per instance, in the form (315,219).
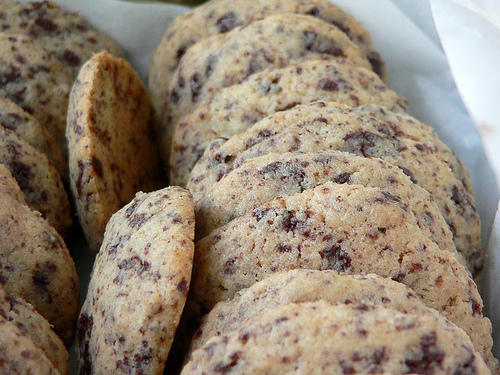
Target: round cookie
(19,355)
(66,36)
(409,123)
(36,265)
(218,16)
(35,81)
(111,140)
(301,285)
(227,59)
(348,228)
(31,131)
(235,108)
(38,179)
(330,126)
(261,179)
(322,338)
(138,285)
(32,325)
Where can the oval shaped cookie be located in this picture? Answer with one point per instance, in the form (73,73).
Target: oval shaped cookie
(138,285)
(36,81)
(227,59)
(234,109)
(261,179)
(348,228)
(19,355)
(330,126)
(31,131)
(218,16)
(111,140)
(36,265)
(66,36)
(301,285)
(32,325)
(38,179)
(321,338)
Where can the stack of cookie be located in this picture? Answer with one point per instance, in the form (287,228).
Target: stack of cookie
(277,118)
(42,50)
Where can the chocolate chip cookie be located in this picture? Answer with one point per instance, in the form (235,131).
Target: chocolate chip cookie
(234,109)
(322,338)
(348,228)
(219,17)
(139,285)
(111,140)
(330,126)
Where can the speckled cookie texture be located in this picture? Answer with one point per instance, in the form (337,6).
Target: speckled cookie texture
(227,59)
(66,36)
(234,109)
(348,228)
(36,264)
(219,16)
(31,324)
(19,355)
(301,285)
(329,126)
(112,153)
(322,338)
(38,179)
(35,134)
(261,179)
(35,81)
(139,285)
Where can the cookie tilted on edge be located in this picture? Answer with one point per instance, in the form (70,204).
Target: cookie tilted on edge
(19,355)
(221,16)
(38,179)
(66,36)
(348,228)
(111,141)
(36,81)
(227,59)
(36,264)
(299,285)
(236,108)
(32,132)
(138,285)
(321,338)
(330,126)
(37,328)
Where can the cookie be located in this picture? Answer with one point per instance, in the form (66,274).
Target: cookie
(36,81)
(227,59)
(66,36)
(138,285)
(31,131)
(261,179)
(36,264)
(32,325)
(218,17)
(322,338)
(347,228)
(19,355)
(329,126)
(111,140)
(234,109)
(409,123)
(38,179)
(300,285)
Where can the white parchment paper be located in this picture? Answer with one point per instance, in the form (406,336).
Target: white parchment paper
(403,32)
